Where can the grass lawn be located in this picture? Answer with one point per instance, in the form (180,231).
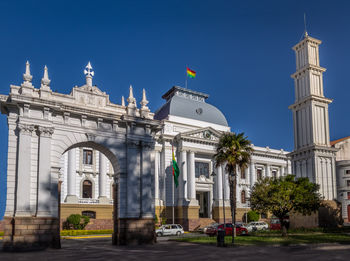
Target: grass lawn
(273,239)
(85,232)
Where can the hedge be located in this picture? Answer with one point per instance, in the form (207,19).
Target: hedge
(85,232)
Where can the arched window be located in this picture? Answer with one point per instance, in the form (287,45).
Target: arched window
(87,189)
(243,199)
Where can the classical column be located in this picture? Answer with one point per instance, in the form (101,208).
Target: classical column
(183,177)
(71,184)
(24,169)
(146,181)
(44,173)
(282,169)
(219,183)
(252,174)
(227,184)
(102,179)
(268,170)
(156,177)
(191,178)
(289,167)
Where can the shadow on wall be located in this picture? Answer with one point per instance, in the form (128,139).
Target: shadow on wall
(330,214)
(3,167)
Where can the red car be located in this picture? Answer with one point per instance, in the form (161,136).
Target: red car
(240,230)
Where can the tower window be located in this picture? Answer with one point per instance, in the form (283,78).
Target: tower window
(87,189)
(347,171)
(348,183)
(242,174)
(348,195)
(243,198)
(87,157)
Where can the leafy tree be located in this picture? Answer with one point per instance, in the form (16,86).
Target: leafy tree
(285,195)
(252,216)
(234,150)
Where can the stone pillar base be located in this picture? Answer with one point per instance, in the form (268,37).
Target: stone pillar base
(31,233)
(186,216)
(135,231)
(218,214)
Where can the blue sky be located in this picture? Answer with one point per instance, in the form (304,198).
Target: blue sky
(241,51)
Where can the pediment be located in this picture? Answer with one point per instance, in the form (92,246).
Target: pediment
(208,134)
(90,96)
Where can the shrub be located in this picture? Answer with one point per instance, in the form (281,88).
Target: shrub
(163,220)
(76,221)
(252,216)
(156,221)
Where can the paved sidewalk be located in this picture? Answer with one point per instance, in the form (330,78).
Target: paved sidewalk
(101,249)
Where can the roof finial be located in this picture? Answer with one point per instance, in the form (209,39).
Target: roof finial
(305,31)
(45,81)
(27,77)
(89,73)
(131,100)
(123,101)
(144,101)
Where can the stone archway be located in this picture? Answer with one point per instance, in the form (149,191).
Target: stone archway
(42,126)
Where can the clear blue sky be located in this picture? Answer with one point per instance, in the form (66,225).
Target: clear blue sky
(241,51)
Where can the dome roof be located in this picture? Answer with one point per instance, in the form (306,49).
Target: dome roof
(189,104)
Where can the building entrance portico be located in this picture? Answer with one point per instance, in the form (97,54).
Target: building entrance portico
(43,125)
(203,201)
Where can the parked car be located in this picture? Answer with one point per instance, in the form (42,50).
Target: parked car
(170,230)
(240,230)
(215,225)
(275,223)
(258,225)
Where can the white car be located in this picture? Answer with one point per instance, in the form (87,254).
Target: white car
(258,225)
(170,230)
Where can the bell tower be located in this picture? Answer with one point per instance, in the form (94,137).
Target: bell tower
(313,157)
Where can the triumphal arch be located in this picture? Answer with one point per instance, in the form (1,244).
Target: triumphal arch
(43,125)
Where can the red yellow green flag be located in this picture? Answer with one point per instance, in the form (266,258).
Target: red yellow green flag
(176,171)
(191,73)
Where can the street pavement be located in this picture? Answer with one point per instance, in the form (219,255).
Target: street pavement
(101,249)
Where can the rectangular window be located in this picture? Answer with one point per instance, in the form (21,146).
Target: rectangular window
(87,157)
(347,171)
(259,174)
(274,174)
(348,183)
(202,169)
(348,195)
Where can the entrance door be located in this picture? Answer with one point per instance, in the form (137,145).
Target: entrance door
(203,200)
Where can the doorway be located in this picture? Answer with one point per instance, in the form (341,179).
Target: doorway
(203,201)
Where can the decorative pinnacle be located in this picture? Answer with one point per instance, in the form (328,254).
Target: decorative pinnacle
(45,81)
(123,101)
(131,100)
(27,77)
(89,73)
(144,101)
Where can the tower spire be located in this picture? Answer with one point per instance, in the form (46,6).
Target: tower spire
(89,73)
(45,81)
(144,101)
(131,100)
(123,101)
(27,77)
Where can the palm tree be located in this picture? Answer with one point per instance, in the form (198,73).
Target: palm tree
(234,150)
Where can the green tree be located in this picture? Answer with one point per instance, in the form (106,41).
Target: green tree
(234,150)
(252,216)
(285,195)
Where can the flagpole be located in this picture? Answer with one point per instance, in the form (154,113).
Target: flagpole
(186,78)
(173,187)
